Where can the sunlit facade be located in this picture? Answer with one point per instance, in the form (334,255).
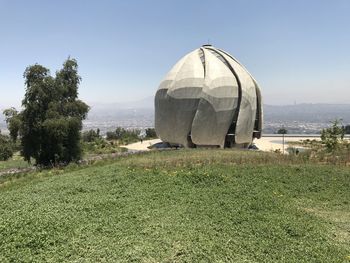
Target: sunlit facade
(208,99)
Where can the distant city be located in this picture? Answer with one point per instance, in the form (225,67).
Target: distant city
(297,119)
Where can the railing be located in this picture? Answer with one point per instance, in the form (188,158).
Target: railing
(299,135)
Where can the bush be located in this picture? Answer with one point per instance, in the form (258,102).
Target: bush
(124,136)
(332,148)
(100,146)
(91,135)
(6,148)
(333,136)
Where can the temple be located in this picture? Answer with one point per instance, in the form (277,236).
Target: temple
(208,98)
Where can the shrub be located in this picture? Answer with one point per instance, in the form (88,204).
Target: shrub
(124,136)
(101,146)
(91,135)
(331,137)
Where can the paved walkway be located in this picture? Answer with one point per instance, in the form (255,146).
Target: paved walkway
(272,143)
(138,146)
(268,143)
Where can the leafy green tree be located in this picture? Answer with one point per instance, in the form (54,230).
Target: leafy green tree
(6,147)
(331,137)
(13,121)
(51,119)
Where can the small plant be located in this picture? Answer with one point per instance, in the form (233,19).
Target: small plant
(333,136)
(277,151)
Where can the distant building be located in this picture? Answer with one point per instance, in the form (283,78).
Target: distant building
(208,99)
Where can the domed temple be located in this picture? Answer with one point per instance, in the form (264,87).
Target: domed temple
(208,99)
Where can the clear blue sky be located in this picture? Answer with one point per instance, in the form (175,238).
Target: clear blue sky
(297,50)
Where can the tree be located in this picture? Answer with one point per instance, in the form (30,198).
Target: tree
(151,133)
(13,121)
(331,137)
(51,119)
(282,131)
(6,147)
(347,129)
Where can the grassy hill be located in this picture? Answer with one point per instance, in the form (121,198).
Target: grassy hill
(179,206)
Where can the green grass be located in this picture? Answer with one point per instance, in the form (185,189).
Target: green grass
(15,162)
(179,206)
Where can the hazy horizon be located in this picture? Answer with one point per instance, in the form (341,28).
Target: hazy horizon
(127,103)
(298,119)
(298,51)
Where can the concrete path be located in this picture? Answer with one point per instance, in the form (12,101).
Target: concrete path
(268,143)
(275,142)
(138,146)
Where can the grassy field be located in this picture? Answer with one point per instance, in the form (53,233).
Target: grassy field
(15,162)
(179,206)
